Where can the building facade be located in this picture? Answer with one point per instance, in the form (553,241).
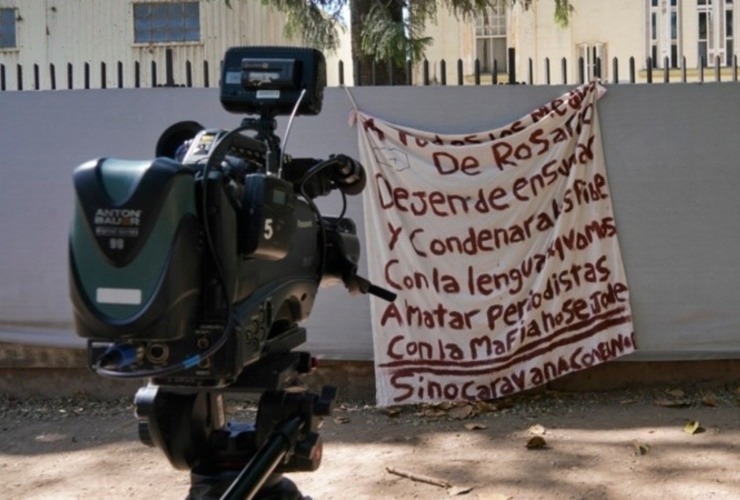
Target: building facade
(109,43)
(679,36)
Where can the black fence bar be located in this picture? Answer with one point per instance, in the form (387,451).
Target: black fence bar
(615,70)
(356,70)
(2,77)
(564,69)
(169,68)
(717,70)
(649,66)
(45,76)
(666,70)
(512,65)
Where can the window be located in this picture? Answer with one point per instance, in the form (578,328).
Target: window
(7,29)
(594,61)
(490,39)
(166,22)
(664,33)
(716,31)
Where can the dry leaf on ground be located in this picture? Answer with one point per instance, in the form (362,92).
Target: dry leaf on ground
(537,443)
(692,427)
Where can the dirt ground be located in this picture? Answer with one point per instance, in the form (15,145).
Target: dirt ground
(672,443)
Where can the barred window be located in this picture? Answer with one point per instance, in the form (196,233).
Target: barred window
(7,29)
(166,22)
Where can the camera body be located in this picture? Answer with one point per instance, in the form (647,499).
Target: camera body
(187,268)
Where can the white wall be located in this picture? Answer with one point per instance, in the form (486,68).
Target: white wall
(671,158)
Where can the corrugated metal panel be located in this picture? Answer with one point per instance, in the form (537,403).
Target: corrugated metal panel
(93,32)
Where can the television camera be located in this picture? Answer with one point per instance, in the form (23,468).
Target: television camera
(195,271)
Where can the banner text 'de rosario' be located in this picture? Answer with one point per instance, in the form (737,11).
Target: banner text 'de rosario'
(502,247)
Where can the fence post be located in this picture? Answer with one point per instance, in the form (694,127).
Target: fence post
(459,72)
(169,68)
(443,72)
(512,65)
(36,77)
(581,70)
(19,74)
(52,77)
(683,69)
(340,69)
(633,72)
(494,77)
(103,76)
(666,70)
(87,76)
(188,74)
(2,77)
(717,70)
(597,70)
(409,72)
(530,71)
(564,68)
(425,66)
(137,74)
(206,79)
(153,66)
(615,70)
(734,68)
(649,64)
(120,74)
(476,73)
(547,70)
(70,74)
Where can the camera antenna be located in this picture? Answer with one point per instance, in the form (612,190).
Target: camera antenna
(287,131)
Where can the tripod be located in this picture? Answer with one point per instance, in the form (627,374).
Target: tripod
(236,460)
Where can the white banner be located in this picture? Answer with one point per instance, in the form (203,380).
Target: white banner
(502,247)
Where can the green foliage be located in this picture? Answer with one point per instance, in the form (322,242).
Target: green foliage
(383,35)
(316,22)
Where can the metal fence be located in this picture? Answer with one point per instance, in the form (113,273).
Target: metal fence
(424,73)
